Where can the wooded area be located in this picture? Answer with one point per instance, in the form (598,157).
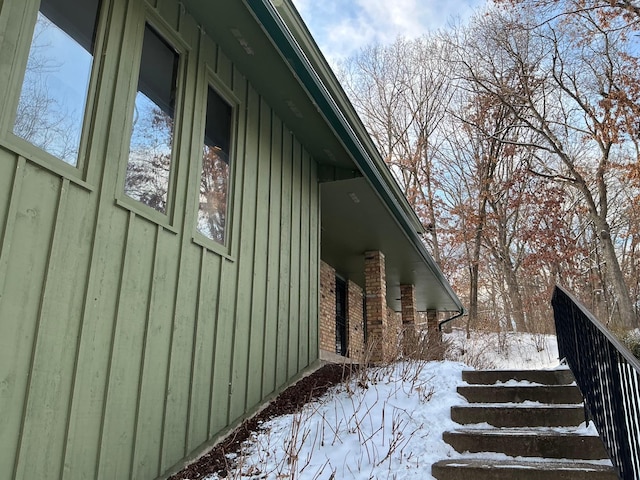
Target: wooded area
(516,138)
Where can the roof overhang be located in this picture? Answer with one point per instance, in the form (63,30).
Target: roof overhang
(270,45)
(355,220)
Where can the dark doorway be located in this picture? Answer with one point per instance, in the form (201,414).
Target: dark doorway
(341,316)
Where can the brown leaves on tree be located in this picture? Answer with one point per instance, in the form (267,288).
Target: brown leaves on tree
(522,156)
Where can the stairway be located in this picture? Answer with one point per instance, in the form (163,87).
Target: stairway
(522,425)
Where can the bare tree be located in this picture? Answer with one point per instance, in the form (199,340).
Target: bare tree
(149,165)
(567,92)
(517,141)
(626,10)
(42,117)
(402,92)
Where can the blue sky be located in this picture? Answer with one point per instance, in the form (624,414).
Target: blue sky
(341,27)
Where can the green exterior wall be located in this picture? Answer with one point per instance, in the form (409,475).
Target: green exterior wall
(127,341)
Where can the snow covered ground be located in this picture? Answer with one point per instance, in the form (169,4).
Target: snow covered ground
(387,422)
(505,350)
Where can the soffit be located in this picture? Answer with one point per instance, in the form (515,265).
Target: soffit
(355,220)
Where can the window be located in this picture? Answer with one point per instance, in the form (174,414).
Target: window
(54,91)
(151,146)
(214,179)
(341,316)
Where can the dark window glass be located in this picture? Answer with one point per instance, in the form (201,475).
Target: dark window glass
(341,317)
(56,82)
(150,151)
(214,179)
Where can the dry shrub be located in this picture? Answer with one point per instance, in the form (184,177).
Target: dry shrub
(419,344)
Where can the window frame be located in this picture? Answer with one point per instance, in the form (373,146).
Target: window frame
(23,19)
(168,219)
(212,81)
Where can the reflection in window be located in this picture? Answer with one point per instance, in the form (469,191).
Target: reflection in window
(56,82)
(149,166)
(214,181)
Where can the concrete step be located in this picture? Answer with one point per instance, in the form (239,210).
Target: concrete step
(520,393)
(487,469)
(533,412)
(530,442)
(519,415)
(544,377)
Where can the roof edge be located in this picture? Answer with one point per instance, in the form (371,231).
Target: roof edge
(291,36)
(307,43)
(295,26)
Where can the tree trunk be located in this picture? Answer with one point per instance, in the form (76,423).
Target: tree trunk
(473,297)
(431,228)
(627,318)
(515,299)
(475,267)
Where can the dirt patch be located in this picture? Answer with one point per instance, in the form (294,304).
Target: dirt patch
(290,401)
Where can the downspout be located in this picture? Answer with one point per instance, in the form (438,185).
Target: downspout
(450,319)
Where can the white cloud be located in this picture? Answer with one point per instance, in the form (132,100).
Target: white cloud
(341,27)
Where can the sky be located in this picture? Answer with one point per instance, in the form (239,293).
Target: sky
(342,27)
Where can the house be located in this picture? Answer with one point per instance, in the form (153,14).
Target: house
(181,184)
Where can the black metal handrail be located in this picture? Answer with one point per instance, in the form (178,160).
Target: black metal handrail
(609,377)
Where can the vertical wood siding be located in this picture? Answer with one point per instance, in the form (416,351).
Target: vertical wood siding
(124,344)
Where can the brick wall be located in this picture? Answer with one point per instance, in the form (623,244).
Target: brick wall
(428,345)
(435,335)
(355,322)
(327,307)
(384,326)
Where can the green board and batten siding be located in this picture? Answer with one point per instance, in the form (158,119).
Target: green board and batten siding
(125,344)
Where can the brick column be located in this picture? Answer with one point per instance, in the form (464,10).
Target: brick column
(355,324)
(409,316)
(327,308)
(435,335)
(376,294)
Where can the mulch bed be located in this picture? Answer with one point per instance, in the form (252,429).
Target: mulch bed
(290,401)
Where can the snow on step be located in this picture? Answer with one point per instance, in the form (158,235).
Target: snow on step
(528,425)
(543,377)
(495,469)
(514,415)
(519,392)
(518,442)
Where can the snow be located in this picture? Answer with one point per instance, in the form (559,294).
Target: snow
(387,422)
(504,350)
